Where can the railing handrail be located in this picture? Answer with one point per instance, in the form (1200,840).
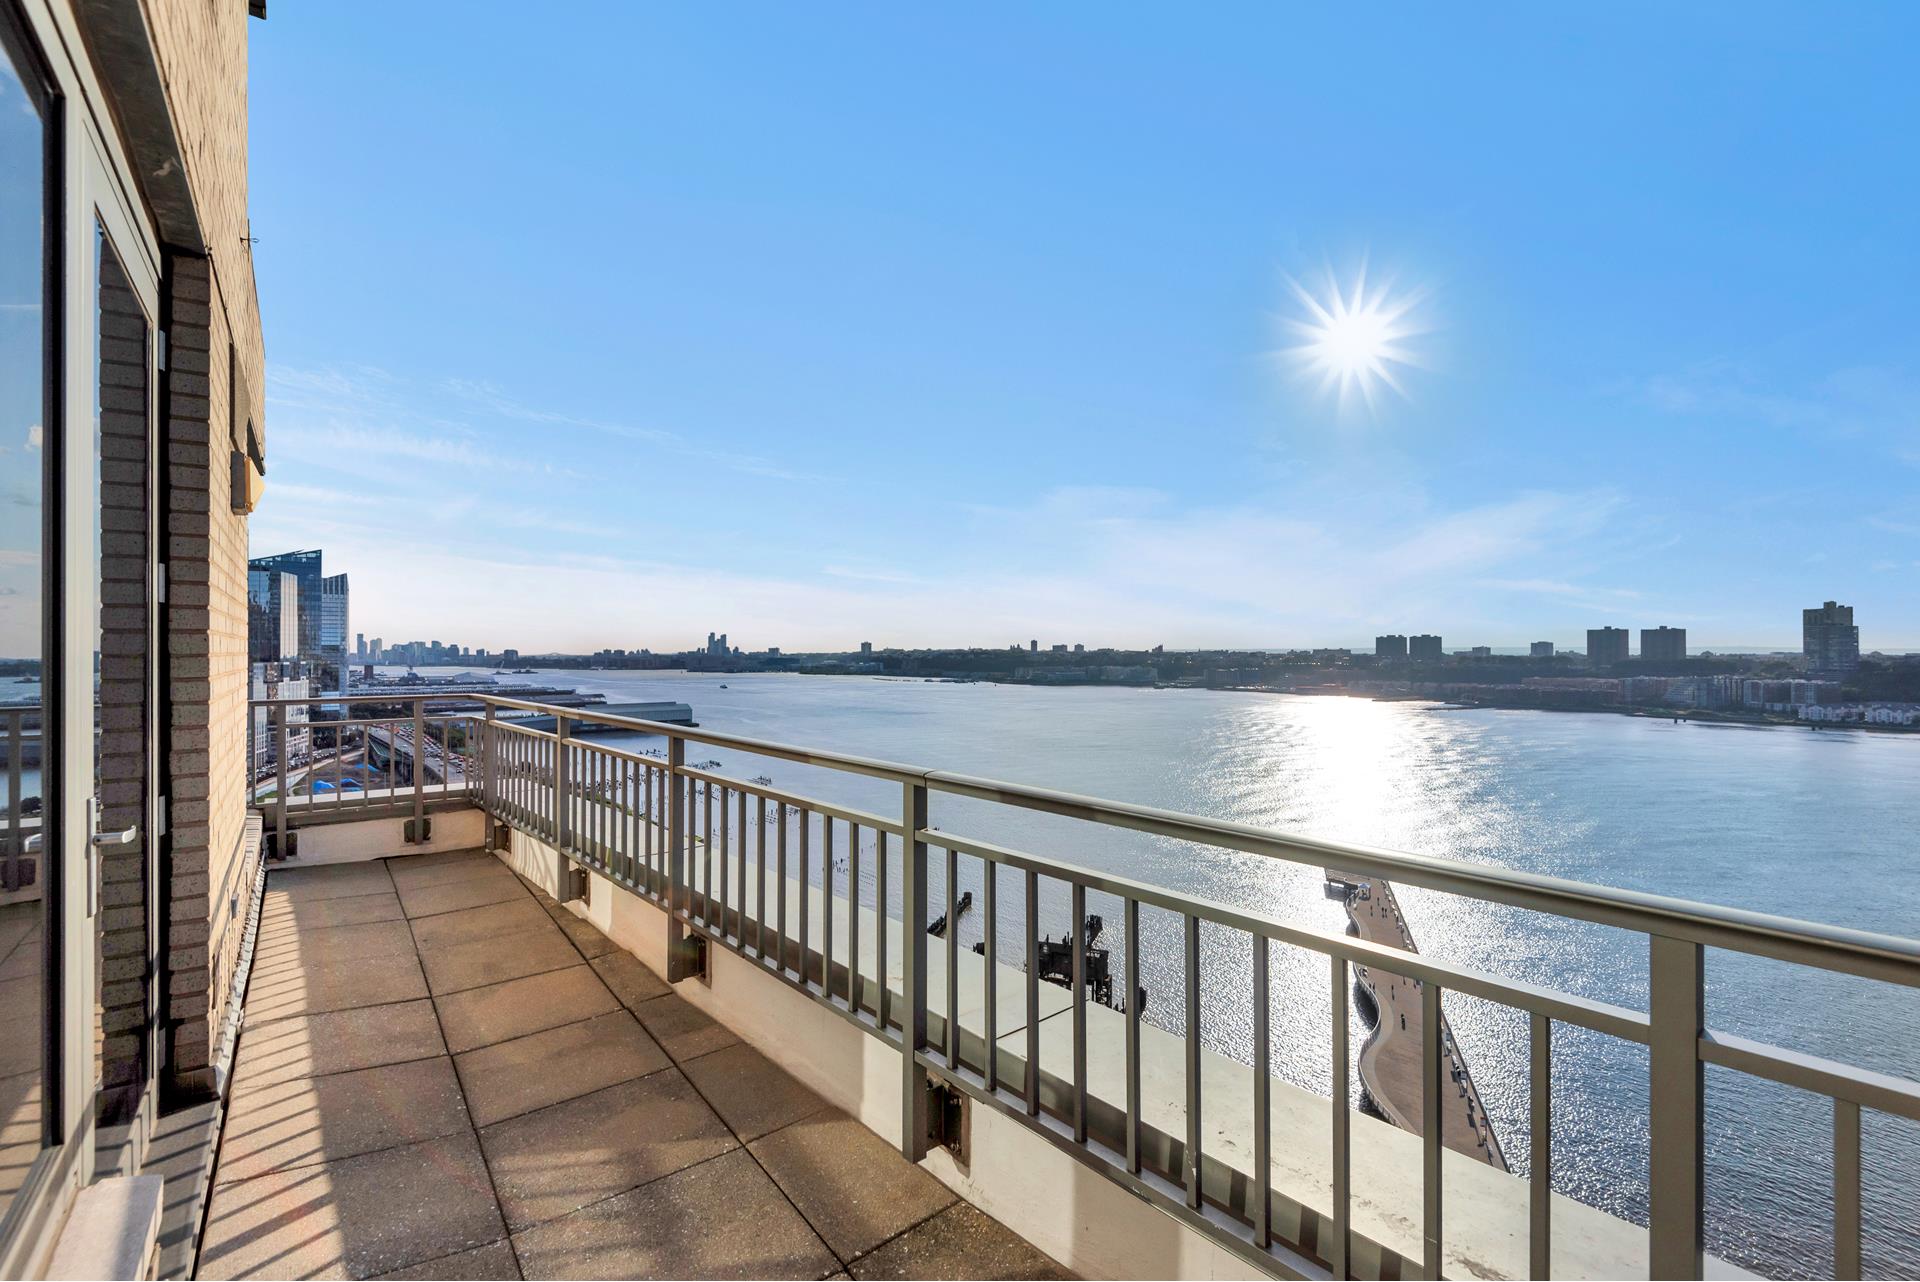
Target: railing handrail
(542,792)
(1891,958)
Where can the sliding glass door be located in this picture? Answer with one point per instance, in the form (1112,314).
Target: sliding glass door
(78,378)
(29,551)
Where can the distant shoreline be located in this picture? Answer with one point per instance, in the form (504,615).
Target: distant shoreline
(1705,716)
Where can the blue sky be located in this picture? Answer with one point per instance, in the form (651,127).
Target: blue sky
(961,327)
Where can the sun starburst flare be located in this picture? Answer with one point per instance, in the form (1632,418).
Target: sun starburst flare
(1352,343)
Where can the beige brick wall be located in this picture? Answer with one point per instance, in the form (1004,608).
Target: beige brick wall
(214,348)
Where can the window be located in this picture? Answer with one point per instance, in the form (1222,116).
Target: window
(25,478)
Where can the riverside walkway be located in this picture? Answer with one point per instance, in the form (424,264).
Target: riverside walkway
(1390,1061)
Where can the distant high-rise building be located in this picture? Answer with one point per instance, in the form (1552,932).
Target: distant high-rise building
(1480,652)
(1391,646)
(1829,639)
(273,616)
(359,647)
(332,658)
(1033,647)
(1663,645)
(1607,646)
(1425,648)
(866,647)
(305,568)
(1540,650)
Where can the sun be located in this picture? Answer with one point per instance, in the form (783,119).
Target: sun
(1353,342)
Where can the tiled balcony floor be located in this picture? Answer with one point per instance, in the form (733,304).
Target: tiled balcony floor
(443,1074)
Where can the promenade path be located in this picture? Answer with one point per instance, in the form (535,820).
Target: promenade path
(1390,1061)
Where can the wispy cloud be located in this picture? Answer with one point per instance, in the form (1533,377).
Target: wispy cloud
(490,397)
(1872,402)
(860,574)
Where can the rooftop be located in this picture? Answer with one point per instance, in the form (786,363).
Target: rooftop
(444,1073)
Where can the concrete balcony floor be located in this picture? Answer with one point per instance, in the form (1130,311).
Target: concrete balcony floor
(443,1074)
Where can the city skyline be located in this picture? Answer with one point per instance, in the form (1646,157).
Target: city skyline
(1035,379)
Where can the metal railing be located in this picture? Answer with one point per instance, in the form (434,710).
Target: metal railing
(351,763)
(23,744)
(702,845)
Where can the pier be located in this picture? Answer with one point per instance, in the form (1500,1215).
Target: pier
(1390,1061)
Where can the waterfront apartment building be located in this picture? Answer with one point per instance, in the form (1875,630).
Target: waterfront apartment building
(1540,650)
(131,358)
(1391,647)
(1829,640)
(1663,644)
(1425,648)
(1606,647)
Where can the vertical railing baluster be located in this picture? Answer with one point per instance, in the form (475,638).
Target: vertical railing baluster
(1342,1121)
(1431,1147)
(913,965)
(1191,1172)
(1540,1190)
(740,872)
(806,905)
(1131,913)
(726,848)
(488,772)
(990,976)
(1676,1151)
(646,783)
(280,776)
(1033,994)
(760,894)
(706,857)
(883,1000)
(562,783)
(1262,1104)
(853,918)
(1078,914)
(826,908)
(419,767)
(953,958)
(16,840)
(678,821)
(780,888)
(1846,1190)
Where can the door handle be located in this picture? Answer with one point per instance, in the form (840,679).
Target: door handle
(96,842)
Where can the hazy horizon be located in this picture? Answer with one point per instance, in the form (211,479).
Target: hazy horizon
(1136,329)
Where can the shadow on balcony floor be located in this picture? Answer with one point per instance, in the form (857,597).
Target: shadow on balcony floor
(443,1074)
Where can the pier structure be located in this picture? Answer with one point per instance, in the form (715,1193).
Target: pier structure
(1390,1060)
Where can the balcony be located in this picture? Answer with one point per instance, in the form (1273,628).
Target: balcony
(445,1073)
(754,937)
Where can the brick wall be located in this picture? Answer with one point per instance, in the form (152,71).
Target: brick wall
(215,352)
